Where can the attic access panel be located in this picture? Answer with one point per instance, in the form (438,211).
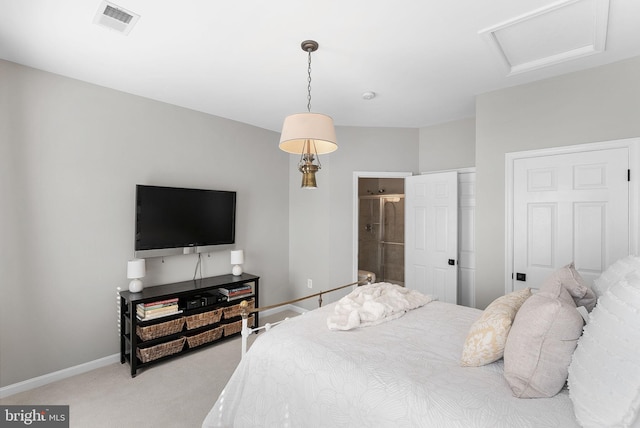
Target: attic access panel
(560,32)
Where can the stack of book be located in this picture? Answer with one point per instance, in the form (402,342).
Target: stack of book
(237,292)
(161,308)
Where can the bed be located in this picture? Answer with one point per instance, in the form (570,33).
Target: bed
(406,372)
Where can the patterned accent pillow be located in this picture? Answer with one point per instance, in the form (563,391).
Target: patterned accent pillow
(604,375)
(488,335)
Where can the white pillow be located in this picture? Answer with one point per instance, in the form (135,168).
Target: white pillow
(614,273)
(604,374)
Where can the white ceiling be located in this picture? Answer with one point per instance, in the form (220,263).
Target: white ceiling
(425,59)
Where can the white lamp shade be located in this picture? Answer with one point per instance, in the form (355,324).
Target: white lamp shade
(136,269)
(302,127)
(237,257)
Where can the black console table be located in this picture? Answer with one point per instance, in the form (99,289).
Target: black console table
(205,317)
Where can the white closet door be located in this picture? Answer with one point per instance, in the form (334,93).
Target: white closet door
(431,234)
(569,207)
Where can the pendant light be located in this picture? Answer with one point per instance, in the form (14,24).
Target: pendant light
(308,134)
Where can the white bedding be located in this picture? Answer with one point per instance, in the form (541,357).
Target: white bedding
(372,304)
(402,373)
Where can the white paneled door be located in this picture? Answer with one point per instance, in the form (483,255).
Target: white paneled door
(431,234)
(569,207)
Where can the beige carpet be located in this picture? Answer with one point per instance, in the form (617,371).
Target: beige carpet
(176,393)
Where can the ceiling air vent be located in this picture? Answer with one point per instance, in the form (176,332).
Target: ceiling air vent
(115,18)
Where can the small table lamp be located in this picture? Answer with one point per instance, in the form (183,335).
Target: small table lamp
(237,258)
(135,271)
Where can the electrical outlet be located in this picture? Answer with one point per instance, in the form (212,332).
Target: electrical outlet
(309,283)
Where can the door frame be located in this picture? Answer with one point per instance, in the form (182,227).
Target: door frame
(357,175)
(632,144)
(472,285)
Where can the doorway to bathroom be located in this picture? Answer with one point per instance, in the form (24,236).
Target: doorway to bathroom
(380,229)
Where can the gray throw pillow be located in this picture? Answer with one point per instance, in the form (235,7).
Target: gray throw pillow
(542,339)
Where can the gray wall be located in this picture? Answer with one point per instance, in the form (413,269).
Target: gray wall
(321,220)
(450,145)
(599,104)
(70,156)
(594,105)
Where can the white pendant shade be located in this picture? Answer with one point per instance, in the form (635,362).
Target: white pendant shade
(301,127)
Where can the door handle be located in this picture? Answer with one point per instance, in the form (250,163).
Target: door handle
(521,276)
(451,262)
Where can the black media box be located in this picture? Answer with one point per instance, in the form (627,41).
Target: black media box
(204,299)
(213,298)
(194,302)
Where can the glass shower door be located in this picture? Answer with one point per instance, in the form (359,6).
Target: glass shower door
(392,243)
(381,237)
(369,236)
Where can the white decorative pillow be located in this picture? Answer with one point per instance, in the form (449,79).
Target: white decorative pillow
(487,336)
(604,375)
(614,273)
(575,285)
(542,339)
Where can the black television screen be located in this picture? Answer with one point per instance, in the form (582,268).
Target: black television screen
(172,217)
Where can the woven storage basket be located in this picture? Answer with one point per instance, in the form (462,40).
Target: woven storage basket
(158,330)
(206,337)
(162,350)
(236,327)
(204,318)
(235,311)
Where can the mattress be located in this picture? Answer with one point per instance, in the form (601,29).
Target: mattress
(402,373)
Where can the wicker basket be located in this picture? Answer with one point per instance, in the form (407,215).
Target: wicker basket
(205,337)
(236,327)
(235,311)
(158,330)
(162,350)
(204,318)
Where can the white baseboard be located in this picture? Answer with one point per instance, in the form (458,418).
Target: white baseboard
(36,382)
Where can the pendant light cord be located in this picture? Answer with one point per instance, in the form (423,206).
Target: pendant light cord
(308,155)
(309,84)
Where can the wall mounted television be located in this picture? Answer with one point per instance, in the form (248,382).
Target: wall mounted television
(174,220)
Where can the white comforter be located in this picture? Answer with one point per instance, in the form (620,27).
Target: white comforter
(403,373)
(373,304)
